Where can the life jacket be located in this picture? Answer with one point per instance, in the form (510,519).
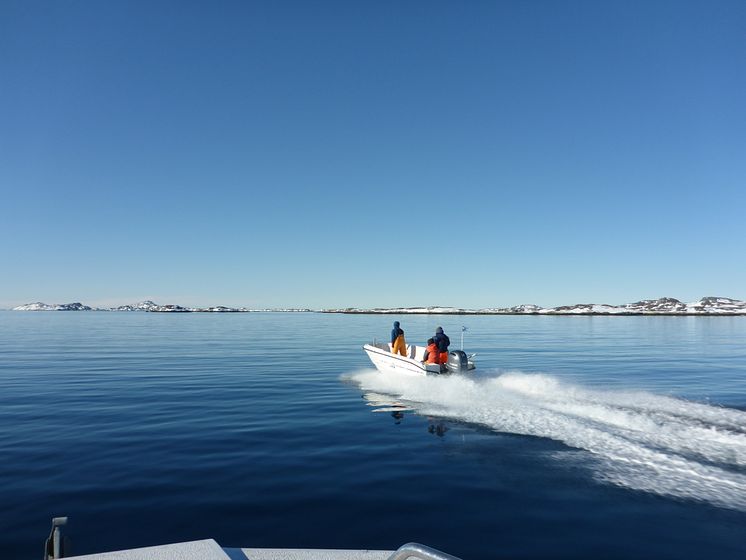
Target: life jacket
(433,356)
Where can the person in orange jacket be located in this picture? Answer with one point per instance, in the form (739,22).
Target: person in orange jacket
(432,354)
(398,344)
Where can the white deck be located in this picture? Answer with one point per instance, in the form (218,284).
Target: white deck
(210,550)
(300,554)
(194,550)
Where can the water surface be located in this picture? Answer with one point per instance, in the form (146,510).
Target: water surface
(577,437)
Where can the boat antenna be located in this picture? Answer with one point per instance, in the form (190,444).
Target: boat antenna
(463,330)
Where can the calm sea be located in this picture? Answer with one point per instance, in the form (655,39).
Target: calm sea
(577,437)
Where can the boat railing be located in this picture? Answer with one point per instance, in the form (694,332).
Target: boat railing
(420,551)
(55,547)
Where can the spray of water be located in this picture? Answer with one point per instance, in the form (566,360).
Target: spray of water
(639,440)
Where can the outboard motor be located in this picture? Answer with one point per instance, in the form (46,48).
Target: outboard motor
(457,362)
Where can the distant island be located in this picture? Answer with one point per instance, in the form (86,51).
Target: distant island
(661,306)
(148,306)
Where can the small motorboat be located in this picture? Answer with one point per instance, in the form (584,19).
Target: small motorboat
(381,356)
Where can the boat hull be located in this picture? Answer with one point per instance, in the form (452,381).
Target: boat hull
(384,360)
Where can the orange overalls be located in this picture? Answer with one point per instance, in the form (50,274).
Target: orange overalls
(399,346)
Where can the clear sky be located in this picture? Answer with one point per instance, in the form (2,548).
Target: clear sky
(380,153)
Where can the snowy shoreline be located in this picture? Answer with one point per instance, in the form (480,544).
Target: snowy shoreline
(707,306)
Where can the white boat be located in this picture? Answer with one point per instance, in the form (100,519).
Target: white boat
(208,549)
(384,360)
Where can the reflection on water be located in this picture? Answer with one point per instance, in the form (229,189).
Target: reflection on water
(437,426)
(387,403)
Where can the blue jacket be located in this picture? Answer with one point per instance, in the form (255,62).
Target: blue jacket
(396,331)
(442,340)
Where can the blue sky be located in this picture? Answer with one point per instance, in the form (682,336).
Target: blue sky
(386,153)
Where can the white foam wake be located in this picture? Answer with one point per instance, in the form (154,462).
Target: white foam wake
(640,440)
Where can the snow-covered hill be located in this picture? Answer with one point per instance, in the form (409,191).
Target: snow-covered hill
(146,305)
(39,306)
(662,306)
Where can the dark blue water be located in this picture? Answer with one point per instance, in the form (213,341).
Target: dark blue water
(577,437)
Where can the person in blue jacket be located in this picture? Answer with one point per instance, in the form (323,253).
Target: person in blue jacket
(398,345)
(443,342)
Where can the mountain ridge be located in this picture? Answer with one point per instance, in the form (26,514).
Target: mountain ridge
(709,305)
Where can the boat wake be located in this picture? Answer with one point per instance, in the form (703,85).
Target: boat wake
(639,440)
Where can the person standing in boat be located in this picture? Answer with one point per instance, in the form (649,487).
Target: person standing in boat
(398,345)
(432,354)
(443,342)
